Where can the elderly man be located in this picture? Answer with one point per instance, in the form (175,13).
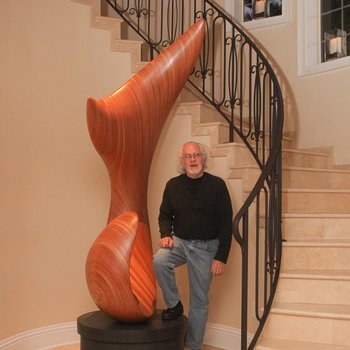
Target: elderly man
(195,223)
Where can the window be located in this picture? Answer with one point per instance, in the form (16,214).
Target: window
(311,36)
(335,29)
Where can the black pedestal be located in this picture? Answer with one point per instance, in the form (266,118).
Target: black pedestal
(99,331)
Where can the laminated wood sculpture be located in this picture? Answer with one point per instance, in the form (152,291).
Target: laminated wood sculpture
(124,128)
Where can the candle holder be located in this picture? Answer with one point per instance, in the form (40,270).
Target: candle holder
(334,44)
(260,9)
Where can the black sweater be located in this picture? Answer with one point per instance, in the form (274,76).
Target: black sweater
(197,209)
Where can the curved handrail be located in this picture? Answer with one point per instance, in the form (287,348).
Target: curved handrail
(235,77)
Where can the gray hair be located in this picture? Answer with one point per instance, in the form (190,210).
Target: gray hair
(180,169)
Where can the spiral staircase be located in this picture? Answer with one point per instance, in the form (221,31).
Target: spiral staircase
(311,307)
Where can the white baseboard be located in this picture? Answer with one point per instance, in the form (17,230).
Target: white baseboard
(43,338)
(223,337)
(46,338)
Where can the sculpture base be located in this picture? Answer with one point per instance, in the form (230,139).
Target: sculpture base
(99,331)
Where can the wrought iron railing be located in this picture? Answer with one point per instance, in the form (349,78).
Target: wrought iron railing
(234,76)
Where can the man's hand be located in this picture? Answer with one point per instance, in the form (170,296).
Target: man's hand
(166,242)
(217,268)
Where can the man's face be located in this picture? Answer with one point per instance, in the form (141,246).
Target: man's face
(192,161)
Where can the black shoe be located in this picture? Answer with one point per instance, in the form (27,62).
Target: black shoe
(173,313)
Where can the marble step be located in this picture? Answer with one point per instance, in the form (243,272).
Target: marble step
(307,158)
(314,286)
(297,177)
(301,226)
(316,255)
(239,156)
(287,344)
(316,201)
(321,323)
(310,201)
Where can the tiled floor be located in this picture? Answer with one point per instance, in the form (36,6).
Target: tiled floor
(76,347)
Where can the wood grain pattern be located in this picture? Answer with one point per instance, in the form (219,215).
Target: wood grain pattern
(124,128)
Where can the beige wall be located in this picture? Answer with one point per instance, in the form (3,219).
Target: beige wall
(54,187)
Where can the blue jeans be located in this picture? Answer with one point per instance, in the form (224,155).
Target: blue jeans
(198,255)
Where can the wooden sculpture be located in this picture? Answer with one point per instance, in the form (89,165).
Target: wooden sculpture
(124,128)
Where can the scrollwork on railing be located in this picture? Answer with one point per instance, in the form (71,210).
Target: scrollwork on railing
(233,75)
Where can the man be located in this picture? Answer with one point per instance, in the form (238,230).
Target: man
(195,222)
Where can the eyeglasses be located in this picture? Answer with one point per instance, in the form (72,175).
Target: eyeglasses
(192,155)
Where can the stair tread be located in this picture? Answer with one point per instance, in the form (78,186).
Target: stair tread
(326,170)
(311,190)
(316,215)
(300,151)
(312,310)
(109,19)
(315,190)
(317,274)
(195,103)
(277,344)
(213,123)
(318,243)
(129,42)
(299,168)
(292,150)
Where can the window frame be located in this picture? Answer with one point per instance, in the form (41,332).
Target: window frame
(309,49)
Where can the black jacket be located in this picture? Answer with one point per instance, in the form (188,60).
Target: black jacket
(197,209)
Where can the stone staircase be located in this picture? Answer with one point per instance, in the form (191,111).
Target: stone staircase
(311,310)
